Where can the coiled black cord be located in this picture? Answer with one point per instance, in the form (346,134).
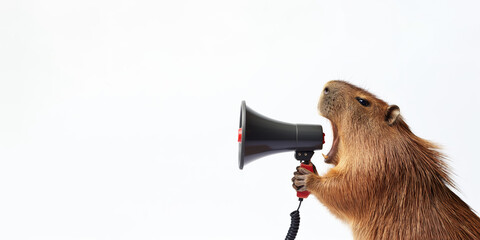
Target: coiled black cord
(295,223)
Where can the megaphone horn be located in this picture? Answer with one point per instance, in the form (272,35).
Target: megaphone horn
(259,136)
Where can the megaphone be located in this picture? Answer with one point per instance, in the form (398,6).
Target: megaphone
(259,136)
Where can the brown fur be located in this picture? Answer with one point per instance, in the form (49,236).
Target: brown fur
(387,183)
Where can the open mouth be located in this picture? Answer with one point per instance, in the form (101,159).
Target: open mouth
(331,156)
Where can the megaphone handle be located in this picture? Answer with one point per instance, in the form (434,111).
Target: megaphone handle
(309,167)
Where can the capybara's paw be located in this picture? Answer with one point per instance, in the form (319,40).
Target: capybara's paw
(300,179)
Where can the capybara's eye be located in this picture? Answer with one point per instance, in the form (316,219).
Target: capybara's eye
(362,101)
(326,90)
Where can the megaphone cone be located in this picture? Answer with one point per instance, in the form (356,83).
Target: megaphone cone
(259,136)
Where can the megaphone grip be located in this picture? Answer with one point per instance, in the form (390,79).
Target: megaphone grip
(309,167)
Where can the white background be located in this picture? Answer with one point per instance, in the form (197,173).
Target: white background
(118,119)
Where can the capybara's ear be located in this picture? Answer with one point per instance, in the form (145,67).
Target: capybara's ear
(393,111)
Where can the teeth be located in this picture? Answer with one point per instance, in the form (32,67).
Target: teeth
(324,156)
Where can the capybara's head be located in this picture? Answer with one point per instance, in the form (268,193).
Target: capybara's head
(354,113)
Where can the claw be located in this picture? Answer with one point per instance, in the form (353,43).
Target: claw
(324,156)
